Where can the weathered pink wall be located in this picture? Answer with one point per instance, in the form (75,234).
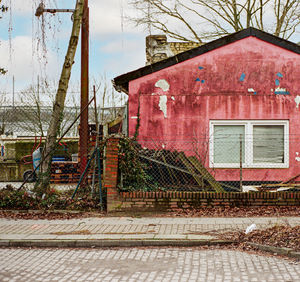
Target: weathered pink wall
(208,87)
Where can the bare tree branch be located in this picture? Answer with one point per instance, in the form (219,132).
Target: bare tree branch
(197,20)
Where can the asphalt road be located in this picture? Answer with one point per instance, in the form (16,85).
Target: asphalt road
(143,264)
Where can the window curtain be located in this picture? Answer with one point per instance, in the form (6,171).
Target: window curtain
(227,143)
(268,144)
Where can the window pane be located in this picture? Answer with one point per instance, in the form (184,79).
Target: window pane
(268,144)
(227,143)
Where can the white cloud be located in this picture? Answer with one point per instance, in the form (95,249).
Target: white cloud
(22,7)
(23,64)
(125,46)
(108,17)
(128,60)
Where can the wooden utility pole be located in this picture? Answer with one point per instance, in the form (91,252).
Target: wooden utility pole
(84,118)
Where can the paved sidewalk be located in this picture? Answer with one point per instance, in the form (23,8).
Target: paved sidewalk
(127,231)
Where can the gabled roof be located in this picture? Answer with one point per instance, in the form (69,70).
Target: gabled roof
(121,82)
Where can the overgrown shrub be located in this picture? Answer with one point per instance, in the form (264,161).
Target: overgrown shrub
(132,170)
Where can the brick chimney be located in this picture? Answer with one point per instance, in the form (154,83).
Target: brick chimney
(157,48)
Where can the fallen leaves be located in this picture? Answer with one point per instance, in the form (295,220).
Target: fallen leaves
(278,236)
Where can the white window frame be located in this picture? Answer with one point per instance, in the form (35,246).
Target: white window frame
(248,161)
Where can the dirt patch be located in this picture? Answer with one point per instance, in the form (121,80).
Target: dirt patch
(203,212)
(80,232)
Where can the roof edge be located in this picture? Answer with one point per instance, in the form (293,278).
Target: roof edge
(122,81)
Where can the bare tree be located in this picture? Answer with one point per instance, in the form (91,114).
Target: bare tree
(34,119)
(201,20)
(57,114)
(36,106)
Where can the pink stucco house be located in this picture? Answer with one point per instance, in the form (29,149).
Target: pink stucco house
(240,89)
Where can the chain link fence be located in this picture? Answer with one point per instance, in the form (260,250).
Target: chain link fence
(23,130)
(220,162)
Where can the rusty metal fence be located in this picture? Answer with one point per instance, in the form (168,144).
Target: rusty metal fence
(23,131)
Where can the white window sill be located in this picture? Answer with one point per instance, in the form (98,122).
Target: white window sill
(274,165)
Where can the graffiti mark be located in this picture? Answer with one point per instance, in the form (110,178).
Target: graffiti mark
(134,117)
(242,77)
(163,104)
(297,101)
(173,98)
(2,151)
(277,82)
(281,91)
(198,79)
(163,85)
(251,90)
(279,75)
(297,158)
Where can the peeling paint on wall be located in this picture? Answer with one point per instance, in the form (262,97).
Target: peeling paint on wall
(162,84)
(251,90)
(163,104)
(242,77)
(281,91)
(297,157)
(198,79)
(297,101)
(134,117)
(173,98)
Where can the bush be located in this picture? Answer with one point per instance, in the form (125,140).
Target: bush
(25,199)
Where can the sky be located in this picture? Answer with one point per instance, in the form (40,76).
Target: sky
(115,46)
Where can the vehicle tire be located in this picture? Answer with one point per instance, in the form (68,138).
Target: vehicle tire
(31,177)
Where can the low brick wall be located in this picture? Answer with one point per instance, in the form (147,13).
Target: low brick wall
(169,201)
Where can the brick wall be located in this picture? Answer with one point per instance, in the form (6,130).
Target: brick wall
(187,200)
(111,174)
(178,47)
(168,201)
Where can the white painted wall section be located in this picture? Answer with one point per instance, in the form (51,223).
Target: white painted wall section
(297,101)
(162,84)
(163,104)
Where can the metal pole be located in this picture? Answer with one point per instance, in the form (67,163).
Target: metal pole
(84,134)
(96,141)
(13,97)
(241,162)
(38,88)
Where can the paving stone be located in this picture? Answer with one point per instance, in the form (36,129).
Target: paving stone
(136,264)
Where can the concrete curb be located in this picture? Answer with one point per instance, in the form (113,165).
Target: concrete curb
(109,243)
(276,250)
